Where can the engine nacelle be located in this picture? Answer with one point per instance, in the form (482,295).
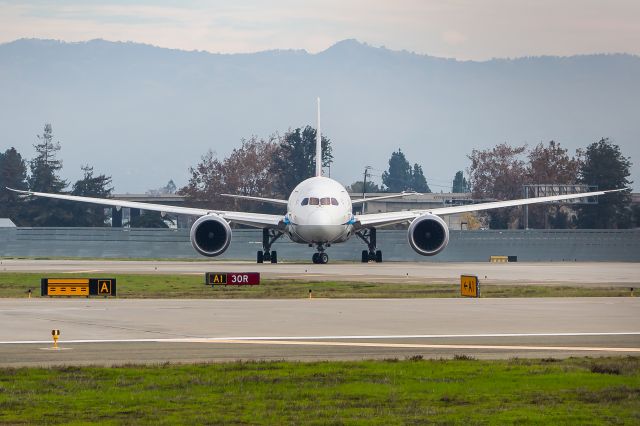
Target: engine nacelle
(428,235)
(210,235)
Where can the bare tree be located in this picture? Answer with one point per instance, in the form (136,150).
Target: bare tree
(499,173)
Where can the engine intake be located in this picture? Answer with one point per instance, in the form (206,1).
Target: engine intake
(428,235)
(210,235)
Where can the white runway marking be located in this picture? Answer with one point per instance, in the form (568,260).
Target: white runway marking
(309,338)
(423,346)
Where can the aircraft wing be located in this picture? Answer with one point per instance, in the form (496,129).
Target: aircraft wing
(257,220)
(264,200)
(383,197)
(390,218)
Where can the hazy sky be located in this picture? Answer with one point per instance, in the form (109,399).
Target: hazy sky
(463,29)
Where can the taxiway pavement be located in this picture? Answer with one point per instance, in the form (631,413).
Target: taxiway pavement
(624,274)
(117,331)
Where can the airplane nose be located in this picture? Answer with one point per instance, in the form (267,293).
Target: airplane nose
(320,218)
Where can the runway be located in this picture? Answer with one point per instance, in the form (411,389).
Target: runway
(624,274)
(108,332)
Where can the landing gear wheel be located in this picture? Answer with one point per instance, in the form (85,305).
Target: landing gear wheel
(269,236)
(323,258)
(369,237)
(314,258)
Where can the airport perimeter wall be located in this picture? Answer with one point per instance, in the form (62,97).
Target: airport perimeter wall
(467,246)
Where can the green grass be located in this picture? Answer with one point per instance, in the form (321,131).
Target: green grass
(192,286)
(549,391)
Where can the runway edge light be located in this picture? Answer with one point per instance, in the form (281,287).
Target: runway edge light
(469,286)
(56,335)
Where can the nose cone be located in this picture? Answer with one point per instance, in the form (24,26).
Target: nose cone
(320,217)
(320,227)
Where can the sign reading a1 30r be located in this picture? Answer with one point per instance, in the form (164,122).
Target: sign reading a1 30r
(232,278)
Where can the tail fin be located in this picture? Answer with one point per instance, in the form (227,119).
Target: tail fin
(318,145)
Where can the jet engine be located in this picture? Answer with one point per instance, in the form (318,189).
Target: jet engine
(210,235)
(428,235)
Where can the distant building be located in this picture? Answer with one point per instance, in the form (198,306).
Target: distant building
(420,201)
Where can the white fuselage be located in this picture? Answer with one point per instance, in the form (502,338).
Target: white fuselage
(319,212)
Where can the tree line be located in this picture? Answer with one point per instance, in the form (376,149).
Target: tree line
(272,167)
(501,172)
(43,175)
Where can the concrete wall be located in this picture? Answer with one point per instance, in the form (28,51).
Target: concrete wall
(532,245)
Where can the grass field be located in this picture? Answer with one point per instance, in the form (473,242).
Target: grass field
(192,286)
(414,391)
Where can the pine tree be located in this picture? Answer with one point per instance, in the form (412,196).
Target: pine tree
(13,174)
(294,160)
(90,186)
(398,177)
(44,178)
(418,181)
(460,184)
(605,166)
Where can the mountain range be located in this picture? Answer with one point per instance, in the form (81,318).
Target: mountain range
(145,114)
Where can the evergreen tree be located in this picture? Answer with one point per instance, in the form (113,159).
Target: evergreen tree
(13,174)
(605,166)
(44,178)
(294,160)
(460,184)
(356,187)
(90,186)
(398,177)
(418,181)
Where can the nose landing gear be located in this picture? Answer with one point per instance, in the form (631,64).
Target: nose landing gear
(320,257)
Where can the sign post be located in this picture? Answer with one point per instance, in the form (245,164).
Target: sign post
(469,286)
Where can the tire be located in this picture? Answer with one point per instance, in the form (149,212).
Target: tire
(260,257)
(274,257)
(314,258)
(365,256)
(323,258)
(267,257)
(378,256)
(371,256)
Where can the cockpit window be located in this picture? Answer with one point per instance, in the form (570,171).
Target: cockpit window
(334,202)
(305,201)
(325,201)
(313,201)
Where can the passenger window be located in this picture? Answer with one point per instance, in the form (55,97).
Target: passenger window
(334,202)
(305,201)
(314,201)
(325,201)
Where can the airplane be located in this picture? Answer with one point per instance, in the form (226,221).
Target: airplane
(319,213)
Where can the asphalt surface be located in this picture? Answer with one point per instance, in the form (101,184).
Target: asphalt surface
(117,331)
(624,274)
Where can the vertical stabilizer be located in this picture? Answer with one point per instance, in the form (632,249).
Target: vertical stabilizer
(318,145)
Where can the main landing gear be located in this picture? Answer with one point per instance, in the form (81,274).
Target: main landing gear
(368,235)
(320,257)
(269,236)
